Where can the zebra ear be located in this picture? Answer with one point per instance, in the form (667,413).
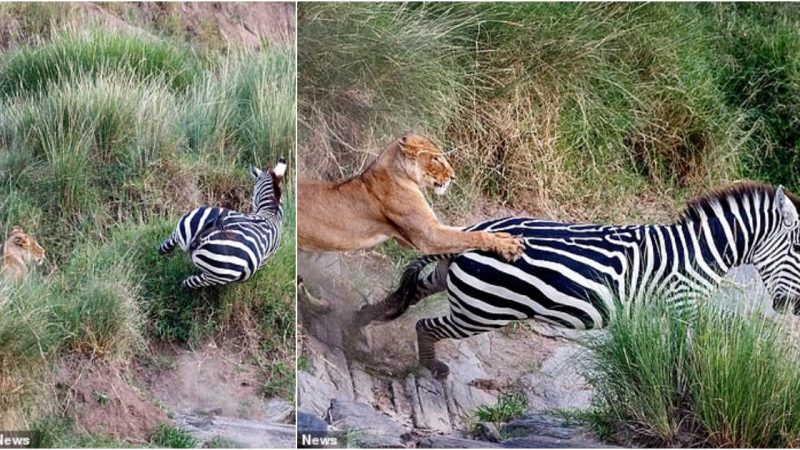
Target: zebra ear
(280,168)
(255,172)
(785,206)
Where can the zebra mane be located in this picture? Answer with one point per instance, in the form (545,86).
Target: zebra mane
(694,208)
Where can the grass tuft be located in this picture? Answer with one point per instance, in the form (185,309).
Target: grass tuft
(723,380)
(70,55)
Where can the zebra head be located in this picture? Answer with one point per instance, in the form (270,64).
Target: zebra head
(777,257)
(267,190)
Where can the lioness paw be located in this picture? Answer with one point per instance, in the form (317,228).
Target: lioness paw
(510,247)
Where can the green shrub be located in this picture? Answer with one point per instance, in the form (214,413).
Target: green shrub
(100,315)
(638,370)
(538,103)
(86,152)
(71,55)
(509,405)
(745,386)
(166,436)
(247,104)
(725,379)
(395,68)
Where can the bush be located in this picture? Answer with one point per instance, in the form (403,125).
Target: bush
(71,55)
(167,436)
(248,104)
(724,380)
(538,103)
(395,68)
(85,153)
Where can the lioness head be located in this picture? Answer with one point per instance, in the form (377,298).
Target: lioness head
(426,163)
(26,246)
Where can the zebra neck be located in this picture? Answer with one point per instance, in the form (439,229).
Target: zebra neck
(713,245)
(267,212)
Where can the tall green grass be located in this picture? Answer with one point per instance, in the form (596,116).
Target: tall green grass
(374,70)
(725,379)
(577,110)
(29,70)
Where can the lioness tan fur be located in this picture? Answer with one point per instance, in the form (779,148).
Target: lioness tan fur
(18,251)
(386,201)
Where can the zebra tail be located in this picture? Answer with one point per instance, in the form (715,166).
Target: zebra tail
(409,293)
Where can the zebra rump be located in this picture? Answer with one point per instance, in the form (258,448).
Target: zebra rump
(226,245)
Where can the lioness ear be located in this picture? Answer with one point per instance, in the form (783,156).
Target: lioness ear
(255,172)
(785,206)
(407,144)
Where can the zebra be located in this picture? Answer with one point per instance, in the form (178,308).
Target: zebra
(226,245)
(577,275)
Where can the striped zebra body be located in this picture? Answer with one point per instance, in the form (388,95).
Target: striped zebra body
(576,275)
(226,245)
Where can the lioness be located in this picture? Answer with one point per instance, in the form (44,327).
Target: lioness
(386,201)
(18,250)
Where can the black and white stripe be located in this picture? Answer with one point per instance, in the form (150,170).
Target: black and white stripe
(226,245)
(576,275)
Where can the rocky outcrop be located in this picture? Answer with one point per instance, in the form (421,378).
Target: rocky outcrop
(360,376)
(237,432)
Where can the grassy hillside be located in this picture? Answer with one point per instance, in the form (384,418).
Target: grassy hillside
(593,111)
(106,138)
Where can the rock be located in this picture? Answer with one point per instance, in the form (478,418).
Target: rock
(311,424)
(243,433)
(331,378)
(402,405)
(429,404)
(452,442)
(279,410)
(541,425)
(370,427)
(487,431)
(362,385)
(465,369)
(548,442)
(557,384)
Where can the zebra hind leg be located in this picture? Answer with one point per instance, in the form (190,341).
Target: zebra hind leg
(167,246)
(200,281)
(428,334)
(412,289)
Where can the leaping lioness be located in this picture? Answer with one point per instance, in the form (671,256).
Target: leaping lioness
(386,201)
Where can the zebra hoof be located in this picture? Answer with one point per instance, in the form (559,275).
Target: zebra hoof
(438,369)
(368,314)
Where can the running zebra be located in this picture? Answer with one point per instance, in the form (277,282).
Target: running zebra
(227,245)
(576,275)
